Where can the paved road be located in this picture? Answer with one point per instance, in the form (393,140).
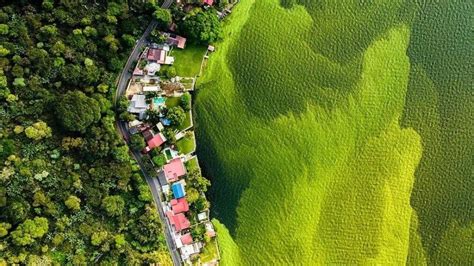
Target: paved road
(122,128)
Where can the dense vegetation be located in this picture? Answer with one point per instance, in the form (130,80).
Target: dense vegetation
(342,136)
(69,192)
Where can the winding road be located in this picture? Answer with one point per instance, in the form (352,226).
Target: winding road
(122,128)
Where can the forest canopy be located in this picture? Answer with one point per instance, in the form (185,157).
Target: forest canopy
(69,192)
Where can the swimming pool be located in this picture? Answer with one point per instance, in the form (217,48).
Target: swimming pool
(159,100)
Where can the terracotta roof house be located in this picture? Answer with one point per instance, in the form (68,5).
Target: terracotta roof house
(178,221)
(159,56)
(179,205)
(147,134)
(186,239)
(176,40)
(156,141)
(174,170)
(208,2)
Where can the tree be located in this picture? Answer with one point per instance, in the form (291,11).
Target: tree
(113,205)
(170,72)
(121,153)
(186,101)
(145,194)
(29,230)
(38,130)
(137,142)
(159,160)
(76,111)
(192,195)
(163,17)
(176,115)
(4,227)
(99,237)
(73,203)
(202,26)
(3,29)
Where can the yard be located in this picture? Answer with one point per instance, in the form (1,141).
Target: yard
(187,122)
(188,61)
(172,102)
(187,144)
(192,164)
(209,252)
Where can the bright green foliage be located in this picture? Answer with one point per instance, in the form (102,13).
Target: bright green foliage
(76,111)
(3,29)
(202,26)
(120,241)
(145,194)
(19,82)
(73,203)
(176,115)
(38,130)
(4,51)
(99,237)
(185,101)
(29,230)
(159,160)
(113,205)
(121,153)
(308,138)
(4,227)
(163,17)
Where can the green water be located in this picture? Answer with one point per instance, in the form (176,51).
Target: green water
(325,137)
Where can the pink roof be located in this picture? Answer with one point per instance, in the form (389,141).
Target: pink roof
(179,221)
(179,205)
(174,170)
(181,42)
(158,55)
(209,2)
(187,239)
(156,141)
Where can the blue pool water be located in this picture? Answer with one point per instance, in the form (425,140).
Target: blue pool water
(159,100)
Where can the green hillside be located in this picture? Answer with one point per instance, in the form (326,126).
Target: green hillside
(309,135)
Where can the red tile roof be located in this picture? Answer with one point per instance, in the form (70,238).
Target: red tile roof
(179,221)
(174,170)
(186,239)
(158,55)
(208,2)
(179,205)
(156,141)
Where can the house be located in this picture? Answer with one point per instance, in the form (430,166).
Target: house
(178,221)
(173,170)
(176,40)
(147,134)
(210,229)
(189,250)
(179,205)
(178,190)
(202,216)
(208,2)
(160,56)
(137,104)
(186,239)
(151,88)
(152,68)
(156,141)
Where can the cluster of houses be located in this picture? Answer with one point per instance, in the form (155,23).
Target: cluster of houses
(172,175)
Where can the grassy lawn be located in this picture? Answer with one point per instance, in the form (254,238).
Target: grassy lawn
(187,122)
(188,61)
(209,252)
(172,102)
(186,144)
(192,164)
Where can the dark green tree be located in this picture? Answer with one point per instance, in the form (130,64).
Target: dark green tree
(113,205)
(163,17)
(176,115)
(76,111)
(202,26)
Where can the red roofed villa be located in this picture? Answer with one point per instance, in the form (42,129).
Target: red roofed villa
(179,205)
(178,221)
(186,239)
(208,2)
(154,142)
(160,56)
(174,170)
